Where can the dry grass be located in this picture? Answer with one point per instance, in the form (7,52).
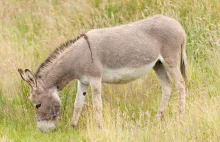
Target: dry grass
(30,30)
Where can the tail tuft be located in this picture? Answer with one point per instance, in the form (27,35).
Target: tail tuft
(183,60)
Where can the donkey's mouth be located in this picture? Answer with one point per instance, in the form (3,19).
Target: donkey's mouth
(47,124)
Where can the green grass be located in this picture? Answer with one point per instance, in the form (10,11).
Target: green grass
(31,30)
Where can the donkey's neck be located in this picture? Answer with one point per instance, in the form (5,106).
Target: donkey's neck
(60,72)
(65,65)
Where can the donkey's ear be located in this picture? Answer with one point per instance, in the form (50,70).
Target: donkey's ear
(31,77)
(23,76)
(28,77)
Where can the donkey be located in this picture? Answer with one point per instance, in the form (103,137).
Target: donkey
(111,55)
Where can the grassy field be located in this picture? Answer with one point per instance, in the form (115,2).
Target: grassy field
(30,30)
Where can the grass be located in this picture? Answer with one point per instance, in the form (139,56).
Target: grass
(31,30)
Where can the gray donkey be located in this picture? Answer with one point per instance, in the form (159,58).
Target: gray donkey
(112,55)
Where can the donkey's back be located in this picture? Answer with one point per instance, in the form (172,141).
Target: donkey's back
(127,52)
(137,43)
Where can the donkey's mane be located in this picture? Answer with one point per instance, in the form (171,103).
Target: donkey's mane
(58,51)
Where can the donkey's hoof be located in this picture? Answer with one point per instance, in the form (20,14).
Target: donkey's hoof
(158,117)
(73,125)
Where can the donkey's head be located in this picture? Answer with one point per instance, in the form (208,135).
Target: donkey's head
(45,100)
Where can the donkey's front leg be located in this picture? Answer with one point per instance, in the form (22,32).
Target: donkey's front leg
(79,102)
(97,100)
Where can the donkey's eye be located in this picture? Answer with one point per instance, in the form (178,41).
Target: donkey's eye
(38,105)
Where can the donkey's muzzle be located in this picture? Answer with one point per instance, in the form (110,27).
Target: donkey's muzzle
(46,126)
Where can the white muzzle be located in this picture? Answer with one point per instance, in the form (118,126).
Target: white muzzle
(46,126)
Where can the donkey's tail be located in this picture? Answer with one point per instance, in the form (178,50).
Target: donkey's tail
(183,60)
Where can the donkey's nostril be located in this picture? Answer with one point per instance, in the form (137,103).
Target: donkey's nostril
(54,116)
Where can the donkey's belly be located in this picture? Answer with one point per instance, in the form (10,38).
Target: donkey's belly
(124,75)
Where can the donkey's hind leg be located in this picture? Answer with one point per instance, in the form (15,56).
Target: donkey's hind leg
(165,85)
(171,65)
(180,85)
(79,102)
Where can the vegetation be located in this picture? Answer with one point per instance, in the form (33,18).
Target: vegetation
(30,30)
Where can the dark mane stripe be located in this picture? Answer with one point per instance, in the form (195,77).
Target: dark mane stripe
(59,50)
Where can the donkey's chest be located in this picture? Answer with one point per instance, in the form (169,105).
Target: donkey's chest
(124,75)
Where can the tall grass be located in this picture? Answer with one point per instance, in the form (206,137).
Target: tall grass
(30,30)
